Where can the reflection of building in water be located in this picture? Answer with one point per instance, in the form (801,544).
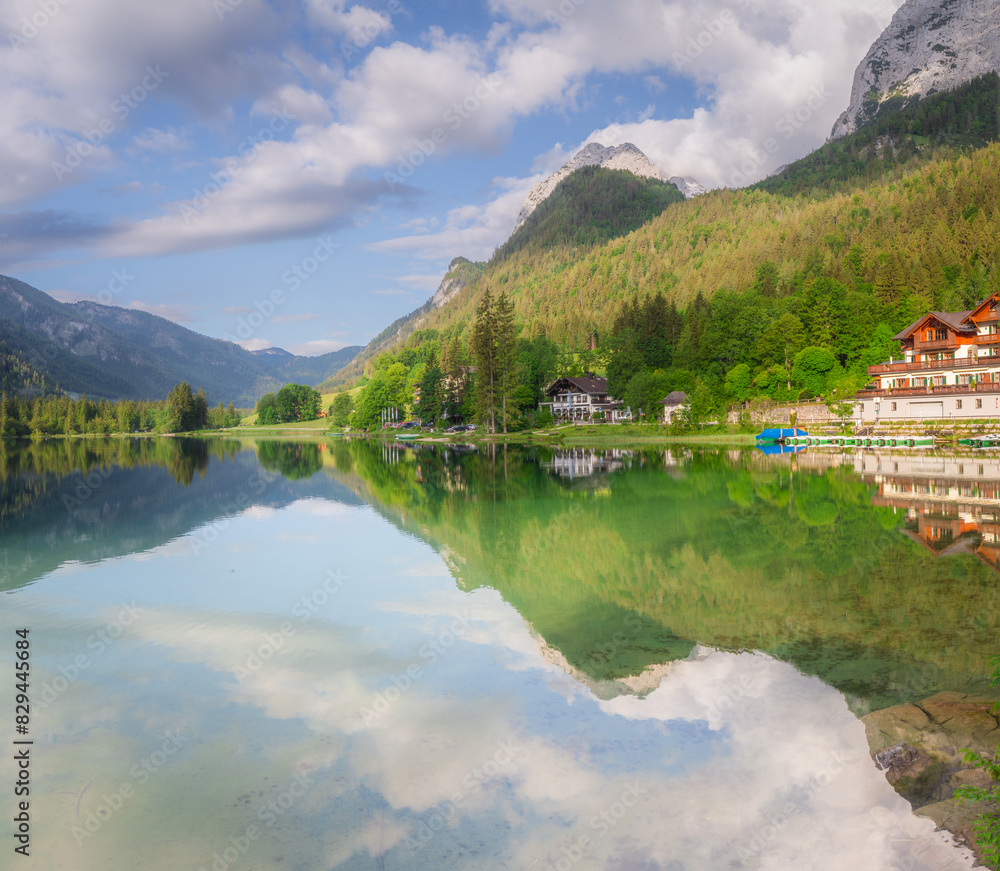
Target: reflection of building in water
(584,462)
(952,504)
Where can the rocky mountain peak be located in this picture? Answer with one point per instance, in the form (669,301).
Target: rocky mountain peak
(626,156)
(930,46)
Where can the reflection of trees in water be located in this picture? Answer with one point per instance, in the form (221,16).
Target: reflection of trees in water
(29,469)
(292,460)
(729,550)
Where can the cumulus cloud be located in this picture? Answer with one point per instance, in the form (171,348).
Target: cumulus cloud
(776,76)
(474,230)
(256,344)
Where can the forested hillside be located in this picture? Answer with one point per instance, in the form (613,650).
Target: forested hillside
(897,142)
(588,208)
(122,353)
(928,240)
(735,295)
(17,375)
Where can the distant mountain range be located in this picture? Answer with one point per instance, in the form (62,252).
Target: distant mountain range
(117,353)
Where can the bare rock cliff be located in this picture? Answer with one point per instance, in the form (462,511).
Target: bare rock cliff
(930,46)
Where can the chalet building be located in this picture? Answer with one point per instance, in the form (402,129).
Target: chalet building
(950,369)
(583,399)
(674,404)
(578,463)
(951,504)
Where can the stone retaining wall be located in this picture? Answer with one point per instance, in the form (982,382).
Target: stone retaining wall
(778,415)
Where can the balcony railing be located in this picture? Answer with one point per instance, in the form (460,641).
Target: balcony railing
(938,390)
(963,363)
(949,344)
(988,339)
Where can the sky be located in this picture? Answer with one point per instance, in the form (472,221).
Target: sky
(299,173)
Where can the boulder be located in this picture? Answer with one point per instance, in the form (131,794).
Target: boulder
(919,746)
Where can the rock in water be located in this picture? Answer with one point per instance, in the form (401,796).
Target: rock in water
(930,46)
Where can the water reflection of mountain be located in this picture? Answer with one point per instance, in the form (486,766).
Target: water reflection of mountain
(670,549)
(732,550)
(91,500)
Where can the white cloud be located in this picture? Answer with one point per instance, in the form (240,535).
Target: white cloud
(361,23)
(400,105)
(473,231)
(168,141)
(316,347)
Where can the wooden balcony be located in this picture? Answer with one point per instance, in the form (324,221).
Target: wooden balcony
(988,339)
(923,365)
(949,344)
(939,390)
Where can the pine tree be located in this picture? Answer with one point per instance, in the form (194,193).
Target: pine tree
(431,391)
(505,343)
(482,345)
(200,410)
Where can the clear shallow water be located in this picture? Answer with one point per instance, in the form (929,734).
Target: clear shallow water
(356,658)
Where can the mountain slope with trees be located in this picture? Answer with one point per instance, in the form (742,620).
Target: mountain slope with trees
(587,208)
(942,125)
(119,353)
(754,293)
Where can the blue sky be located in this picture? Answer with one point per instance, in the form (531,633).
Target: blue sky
(190,158)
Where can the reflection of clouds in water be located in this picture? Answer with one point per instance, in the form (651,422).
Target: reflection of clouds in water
(786,783)
(797,787)
(700,774)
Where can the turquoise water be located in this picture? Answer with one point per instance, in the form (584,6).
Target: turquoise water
(351,657)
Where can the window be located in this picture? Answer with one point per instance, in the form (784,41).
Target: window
(980,470)
(958,403)
(961,469)
(893,406)
(979,403)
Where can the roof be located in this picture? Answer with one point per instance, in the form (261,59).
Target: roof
(586,384)
(955,320)
(678,397)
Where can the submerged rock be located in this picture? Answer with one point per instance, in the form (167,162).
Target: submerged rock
(919,746)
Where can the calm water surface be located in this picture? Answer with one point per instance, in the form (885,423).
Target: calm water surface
(346,656)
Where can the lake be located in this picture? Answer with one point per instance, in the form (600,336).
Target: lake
(350,655)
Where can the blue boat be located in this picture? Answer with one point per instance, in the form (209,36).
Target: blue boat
(779,435)
(772,449)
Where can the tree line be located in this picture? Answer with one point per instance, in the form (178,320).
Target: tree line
(182,411)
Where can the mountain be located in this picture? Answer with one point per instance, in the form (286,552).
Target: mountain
(930,46)
(923,239)
(592,205)
(288,368)
(461,273)
(589,207)
(626,157)
(688,187)
(117,353)
(951,123)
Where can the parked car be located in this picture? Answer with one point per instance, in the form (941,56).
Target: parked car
(458,427)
